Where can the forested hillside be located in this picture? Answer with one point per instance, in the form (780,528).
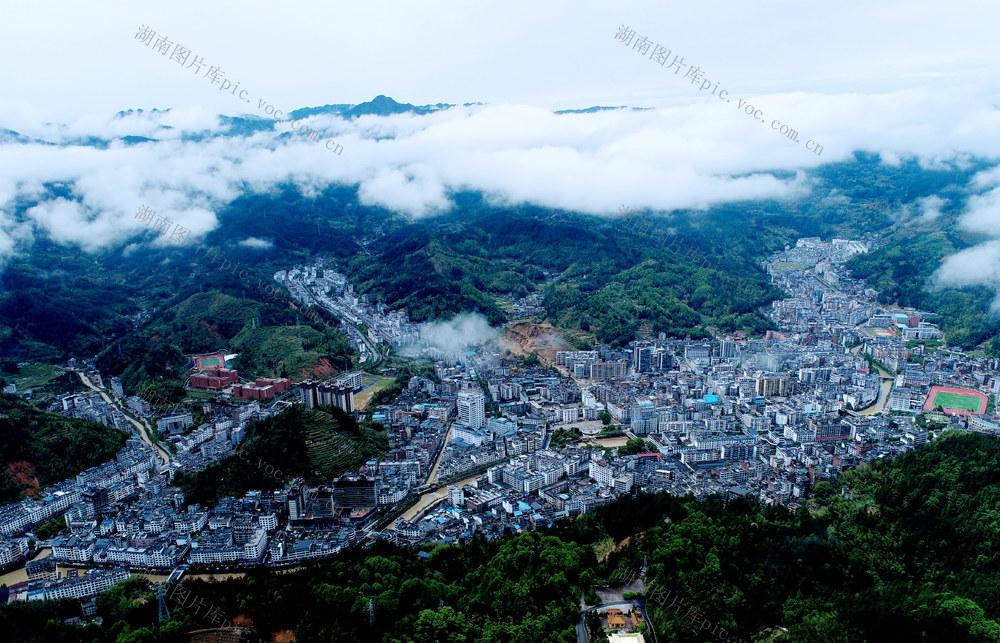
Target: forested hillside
(315,444)
(902,272)
(263,333)
(681,272)
(38,448)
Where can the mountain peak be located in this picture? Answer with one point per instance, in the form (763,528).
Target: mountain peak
(383,105)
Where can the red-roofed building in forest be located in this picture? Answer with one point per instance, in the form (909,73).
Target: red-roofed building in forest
(215,379)
(263,388)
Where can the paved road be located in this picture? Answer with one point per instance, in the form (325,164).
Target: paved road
(138,425)
(376,356)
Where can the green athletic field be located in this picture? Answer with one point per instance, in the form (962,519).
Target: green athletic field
(956,401)
(208,362)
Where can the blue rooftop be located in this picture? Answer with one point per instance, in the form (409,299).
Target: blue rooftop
(711,399)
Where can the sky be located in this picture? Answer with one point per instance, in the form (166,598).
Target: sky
(901,79)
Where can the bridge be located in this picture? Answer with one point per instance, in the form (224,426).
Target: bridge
(175,575)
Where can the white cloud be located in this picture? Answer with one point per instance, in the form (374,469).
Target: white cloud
(983,213)
(454,335)
(257,244)
(930,207)
(676,156)
(979,265)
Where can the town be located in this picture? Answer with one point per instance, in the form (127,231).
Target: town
(490,443)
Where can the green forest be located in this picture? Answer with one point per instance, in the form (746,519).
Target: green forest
(265,334)
(684,272)
(904,549)
(902,273)
(39,448)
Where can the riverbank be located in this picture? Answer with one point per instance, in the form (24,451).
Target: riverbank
(429,498)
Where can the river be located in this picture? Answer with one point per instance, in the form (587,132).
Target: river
(431,497)
(139,426)
(885,389)
(19,575)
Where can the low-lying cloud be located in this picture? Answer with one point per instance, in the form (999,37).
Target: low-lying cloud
(980,264)
(929,207)
(690,155)
(453,336)
(256,244)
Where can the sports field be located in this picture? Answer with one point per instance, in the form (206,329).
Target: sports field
(210,361)
(956,400)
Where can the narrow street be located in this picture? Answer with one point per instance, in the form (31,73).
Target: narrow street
(444,445)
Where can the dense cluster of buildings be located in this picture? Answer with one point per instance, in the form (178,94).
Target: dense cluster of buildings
(92,407)
(319,285)
(504,446)
(766,417)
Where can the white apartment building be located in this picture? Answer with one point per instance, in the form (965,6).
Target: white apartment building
(602,472)
(90,584)
(191,523)
(472,409)
(10,550)
(73,549)
(254,548)
(469,435)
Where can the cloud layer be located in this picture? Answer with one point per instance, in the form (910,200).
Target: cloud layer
(684,155)
(980,264)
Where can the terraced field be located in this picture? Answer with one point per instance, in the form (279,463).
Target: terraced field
(333,453)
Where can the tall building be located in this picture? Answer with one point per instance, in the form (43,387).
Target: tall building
(472,409)
(296,505)
(356,492)
(727,348)
(95,503)
(642,357)
(614,370)
(772,385)
(662,360)
(326,394)
(116,387)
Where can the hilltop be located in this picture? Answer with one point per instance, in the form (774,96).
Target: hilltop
(315,444)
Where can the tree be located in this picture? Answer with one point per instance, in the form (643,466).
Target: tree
(605,418)
(632,447)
